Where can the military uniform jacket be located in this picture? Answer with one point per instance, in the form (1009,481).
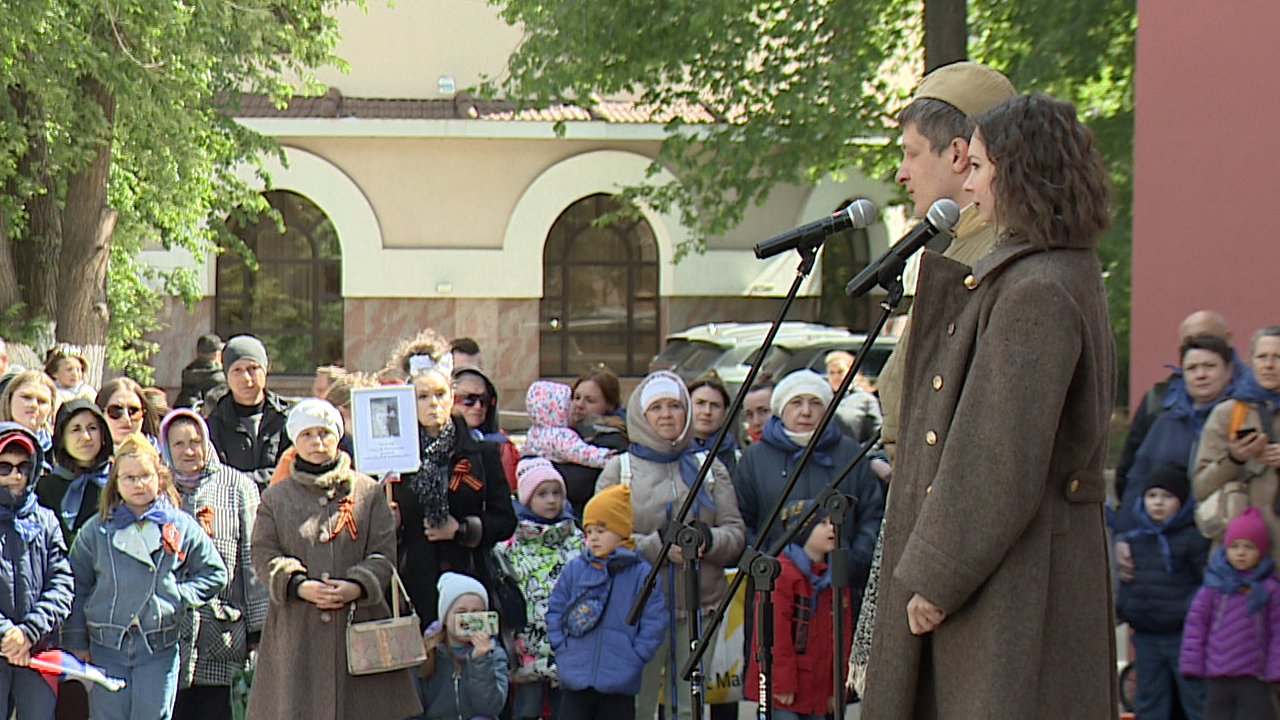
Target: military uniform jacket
(995,511)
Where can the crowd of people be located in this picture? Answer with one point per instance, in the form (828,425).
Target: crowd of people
(173,547)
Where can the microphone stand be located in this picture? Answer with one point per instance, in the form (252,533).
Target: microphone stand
(890,278)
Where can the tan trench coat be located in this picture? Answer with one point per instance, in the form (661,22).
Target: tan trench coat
(302,663)
(995,512)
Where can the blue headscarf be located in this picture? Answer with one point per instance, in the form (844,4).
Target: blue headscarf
(776,435)
(1221,577)
(1144,525)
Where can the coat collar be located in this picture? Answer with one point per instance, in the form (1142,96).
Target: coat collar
(1002,254)
(331,483)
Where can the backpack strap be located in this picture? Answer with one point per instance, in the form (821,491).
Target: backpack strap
(625,460)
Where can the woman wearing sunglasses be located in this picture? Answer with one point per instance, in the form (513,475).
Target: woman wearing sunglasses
(121,401)
(476,399)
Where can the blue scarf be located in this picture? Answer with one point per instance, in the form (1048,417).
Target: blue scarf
(688,467)
(1221,577)
(22,518)
(1248,390)
(776,435)
(1144,525)
(160,512)
(795,553)
(74,497)
(728,453)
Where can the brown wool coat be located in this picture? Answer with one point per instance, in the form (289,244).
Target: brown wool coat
(302,662)
(995,512)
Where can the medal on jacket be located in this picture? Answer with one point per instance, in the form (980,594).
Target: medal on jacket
(462,474)
(345,518)
(170,539)
(205,516)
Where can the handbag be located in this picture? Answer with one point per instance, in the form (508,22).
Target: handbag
(223,635)
(378,646)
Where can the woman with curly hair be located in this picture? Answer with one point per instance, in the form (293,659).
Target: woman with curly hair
(994,535)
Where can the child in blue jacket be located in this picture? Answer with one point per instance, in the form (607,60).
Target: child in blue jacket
(139,565)
(599,656)
(465,674)
(34,573)
(1169,557)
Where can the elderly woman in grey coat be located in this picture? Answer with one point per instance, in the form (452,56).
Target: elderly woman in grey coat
(660,473)
(323,540)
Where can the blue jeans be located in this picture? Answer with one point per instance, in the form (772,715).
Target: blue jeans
(152,679)
(1157,668)
(26,690)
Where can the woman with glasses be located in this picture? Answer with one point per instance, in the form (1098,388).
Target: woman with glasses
(476,398)
(30,399)
(121,400)
(457,505)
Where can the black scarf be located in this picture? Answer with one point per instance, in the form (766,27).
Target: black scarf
(431,482)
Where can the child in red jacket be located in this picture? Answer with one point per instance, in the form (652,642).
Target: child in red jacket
(802,649)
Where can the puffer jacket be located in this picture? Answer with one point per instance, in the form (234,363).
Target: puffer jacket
(537,554)
(611,656)
(474,687)
(1222,639)
(35,576)
(1157,599)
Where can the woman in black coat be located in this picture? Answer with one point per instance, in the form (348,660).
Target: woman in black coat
(457,506)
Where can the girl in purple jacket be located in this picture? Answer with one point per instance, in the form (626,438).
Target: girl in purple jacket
(1232,633)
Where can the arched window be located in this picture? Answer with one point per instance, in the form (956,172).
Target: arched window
(844,255)
(293,303)
(599,291)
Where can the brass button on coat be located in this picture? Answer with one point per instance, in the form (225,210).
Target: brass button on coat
(951,329)
(928,490)
(970,282)
(931,438)
(937,382)
(1075,485)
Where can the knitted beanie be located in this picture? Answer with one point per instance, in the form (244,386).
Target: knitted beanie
(1172,477)
(452,586)
(611,508)
(792,514)
(313,412)
(1250,526)
(660,387)
(800,382)
(243,347)
(532,472)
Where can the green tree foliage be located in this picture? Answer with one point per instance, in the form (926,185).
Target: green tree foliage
(805,89)
(114,135)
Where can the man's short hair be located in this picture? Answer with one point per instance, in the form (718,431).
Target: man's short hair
(466,346)
(937,121)
(209,344)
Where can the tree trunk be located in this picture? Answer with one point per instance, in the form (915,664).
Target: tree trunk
(9,293)
(87,226)
(946,33)
(37,251)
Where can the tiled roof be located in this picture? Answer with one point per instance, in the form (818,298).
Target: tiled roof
(460,107)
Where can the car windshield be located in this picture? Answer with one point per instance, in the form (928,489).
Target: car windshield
(692,357)
(773,362)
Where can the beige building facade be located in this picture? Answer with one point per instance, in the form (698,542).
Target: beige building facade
(424,208)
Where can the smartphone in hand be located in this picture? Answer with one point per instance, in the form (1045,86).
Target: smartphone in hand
(485,623)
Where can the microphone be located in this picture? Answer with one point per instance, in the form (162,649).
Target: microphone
(942,215)
(857,215)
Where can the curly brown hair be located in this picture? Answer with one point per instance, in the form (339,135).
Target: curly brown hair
(1050,182)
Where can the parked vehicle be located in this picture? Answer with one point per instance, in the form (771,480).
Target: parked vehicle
(731,348)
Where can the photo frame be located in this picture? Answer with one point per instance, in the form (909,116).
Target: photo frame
(386,429)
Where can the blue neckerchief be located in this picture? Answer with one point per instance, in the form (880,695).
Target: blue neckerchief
(69,509)
(1248,390)
(1144,525)
(776,435)
(23,517)
(1221,577)
(795,553)
(728,453)
(688,467)
(160,512)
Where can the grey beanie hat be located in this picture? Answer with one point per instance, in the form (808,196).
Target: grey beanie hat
(241,347)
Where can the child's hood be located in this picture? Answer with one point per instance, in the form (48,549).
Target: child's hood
(548,403)
(37,455)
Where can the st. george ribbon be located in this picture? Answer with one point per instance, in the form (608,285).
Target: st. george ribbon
(856,215)
(942,215)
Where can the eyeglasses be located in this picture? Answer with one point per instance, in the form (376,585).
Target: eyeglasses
(115,412)
(473,400)
(139,480)
(8,468)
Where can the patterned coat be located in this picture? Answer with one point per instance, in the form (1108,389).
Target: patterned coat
(537,554)
(995,511)
(302,662)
